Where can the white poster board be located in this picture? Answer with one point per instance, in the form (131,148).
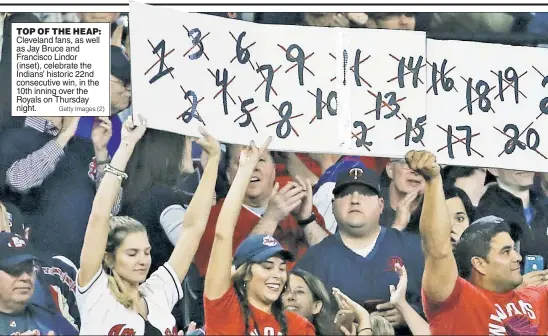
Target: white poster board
(241,79)
(256,74)
(307,67)
(387,79)
(504,129)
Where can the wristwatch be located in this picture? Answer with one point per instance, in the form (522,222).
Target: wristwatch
(305,222)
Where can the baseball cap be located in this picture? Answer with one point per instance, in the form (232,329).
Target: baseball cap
(258,248)
(120,66)
(357,176)
(14,250)
(481,230)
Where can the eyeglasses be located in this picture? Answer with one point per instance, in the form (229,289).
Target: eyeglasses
(29,267)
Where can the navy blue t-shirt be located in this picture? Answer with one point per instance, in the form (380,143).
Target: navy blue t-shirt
(35,318)
(368,278)
(18,323)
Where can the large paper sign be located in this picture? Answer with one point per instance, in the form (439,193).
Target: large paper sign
(386,73)
(246,81)
(487,105)
(370,92)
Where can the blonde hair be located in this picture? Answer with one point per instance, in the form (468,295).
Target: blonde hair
(380,325)
(120,228)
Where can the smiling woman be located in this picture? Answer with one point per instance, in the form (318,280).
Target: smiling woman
(307,296)
(249,301)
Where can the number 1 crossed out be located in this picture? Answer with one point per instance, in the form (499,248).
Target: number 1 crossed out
(160,52)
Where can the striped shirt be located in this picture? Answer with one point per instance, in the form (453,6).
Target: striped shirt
(32,170)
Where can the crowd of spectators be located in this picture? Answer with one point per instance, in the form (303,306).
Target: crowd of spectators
(107,227)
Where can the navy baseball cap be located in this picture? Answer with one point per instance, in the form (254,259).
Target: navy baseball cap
(358,176)
(14,250)
(258,248)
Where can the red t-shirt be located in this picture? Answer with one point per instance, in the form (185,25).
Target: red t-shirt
(288,233)
(470,310)
(224,317)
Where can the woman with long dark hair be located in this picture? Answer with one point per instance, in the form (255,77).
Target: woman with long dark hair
(156,193)
(460,208)
(250,300)
(307,296)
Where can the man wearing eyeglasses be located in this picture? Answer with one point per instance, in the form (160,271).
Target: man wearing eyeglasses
(402,195)
(17,283)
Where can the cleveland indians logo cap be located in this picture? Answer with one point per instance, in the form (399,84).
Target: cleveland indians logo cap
(14,250)
(258,248)
(270,241)
(17,242)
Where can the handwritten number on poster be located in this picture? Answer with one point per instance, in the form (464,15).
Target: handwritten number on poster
(163,70)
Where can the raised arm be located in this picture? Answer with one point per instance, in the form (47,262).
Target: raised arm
(31,171)
(4,224)
(101,134)
(217,280)
(296,167)
(187,164)
(197,213)
(440,269)
(414,321)
(95,240)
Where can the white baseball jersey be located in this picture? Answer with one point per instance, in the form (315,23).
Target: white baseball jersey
(101,314)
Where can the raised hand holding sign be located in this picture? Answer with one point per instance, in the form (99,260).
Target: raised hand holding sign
(326,90)
(244,81)
(492,115)
(387,107)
